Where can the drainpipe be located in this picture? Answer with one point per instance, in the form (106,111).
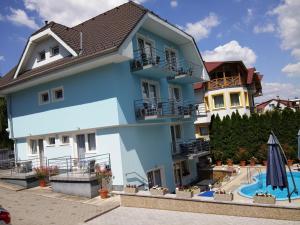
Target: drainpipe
(10,125)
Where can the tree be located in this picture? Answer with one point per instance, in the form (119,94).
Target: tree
(5,142)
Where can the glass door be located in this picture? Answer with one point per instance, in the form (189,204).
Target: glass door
(41,151)
(80,139)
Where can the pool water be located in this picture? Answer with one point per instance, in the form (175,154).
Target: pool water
(260,186)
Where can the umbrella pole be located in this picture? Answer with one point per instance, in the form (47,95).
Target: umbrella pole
(295,188)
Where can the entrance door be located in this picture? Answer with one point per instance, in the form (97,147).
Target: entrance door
(41,151)
(80,139)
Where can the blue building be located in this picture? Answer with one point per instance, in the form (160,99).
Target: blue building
(119,83)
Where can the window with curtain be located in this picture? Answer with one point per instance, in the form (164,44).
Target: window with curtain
(219,101)
(235,99)
(92,141)
(33,146)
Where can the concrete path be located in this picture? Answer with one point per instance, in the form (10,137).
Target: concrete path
(139,216)
(30,207)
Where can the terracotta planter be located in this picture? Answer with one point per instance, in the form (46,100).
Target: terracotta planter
(290,162)
(42,183)
(265,163)
(252,163)
(103,193)
(229,162)
(219,163)
(243,163)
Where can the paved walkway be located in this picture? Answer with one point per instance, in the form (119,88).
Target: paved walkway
(139,216)
(30,207)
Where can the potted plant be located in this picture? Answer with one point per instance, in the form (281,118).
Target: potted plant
(218,156)
(42,174)
(290,154)
(264,198)
(131,189)
(242,156)
(184,192)
(221,195)
(229,162)
(253,161)
(104,177)
(156,190)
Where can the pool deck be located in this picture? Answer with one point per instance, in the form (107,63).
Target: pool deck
(241,179)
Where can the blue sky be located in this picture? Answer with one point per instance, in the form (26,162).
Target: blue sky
(262,33)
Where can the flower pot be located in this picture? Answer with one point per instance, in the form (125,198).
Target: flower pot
(184,194)
(264,199)
(223,197)
(229,162)
(265,162)
(42,183)
(219,163)
(103,193)
(242,163)
(290,162)
(130,190)
(252,163)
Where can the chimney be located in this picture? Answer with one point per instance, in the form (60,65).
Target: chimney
(81,48)
(46,22)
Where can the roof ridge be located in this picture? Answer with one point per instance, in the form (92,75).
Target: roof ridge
(108,11)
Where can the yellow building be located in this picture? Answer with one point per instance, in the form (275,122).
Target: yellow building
(232,88)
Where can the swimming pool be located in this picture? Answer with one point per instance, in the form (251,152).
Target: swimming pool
(259,185)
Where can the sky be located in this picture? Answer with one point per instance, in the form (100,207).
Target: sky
(265,34)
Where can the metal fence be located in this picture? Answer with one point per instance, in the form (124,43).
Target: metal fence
(190,147)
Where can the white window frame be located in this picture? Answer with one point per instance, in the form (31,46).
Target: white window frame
(214,103)
(40,99)
(51,50)
(162,175)
(39,56)
(153,82)
(53,90)
(146,39)
(29,150)
(62,138)
(239,97)
(85,133)
(169,48)
(171,87)
(48,141)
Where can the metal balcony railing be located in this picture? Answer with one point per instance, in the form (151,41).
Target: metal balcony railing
(155,108)
(190,148)
(173,66)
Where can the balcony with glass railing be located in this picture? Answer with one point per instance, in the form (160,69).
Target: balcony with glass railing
(153,63)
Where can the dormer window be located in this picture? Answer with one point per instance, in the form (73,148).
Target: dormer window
(55,50)
(42,55)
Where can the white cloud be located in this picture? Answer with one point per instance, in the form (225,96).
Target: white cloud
(283,90)
(70,12)
(1,17)
(202,28)
(174,3)
(266,28)
(231,51)
(19,17)
(2,58)
(288,19)
(292,69)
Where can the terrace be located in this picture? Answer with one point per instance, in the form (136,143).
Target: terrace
(190,149)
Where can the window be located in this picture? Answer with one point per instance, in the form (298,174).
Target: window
(203,131)
(57,94)
(178,131)
(235,99)
(175,93)
(246,98)
(55,51)
(154,178)
(44,97)
(51,140)
(65,139)
(185,168)
(171,59)
(145,50)
(150,89)
(42,55)
(33,147)
(92,141)
(218,101)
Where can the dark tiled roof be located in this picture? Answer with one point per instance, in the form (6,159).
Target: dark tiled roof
(101,34)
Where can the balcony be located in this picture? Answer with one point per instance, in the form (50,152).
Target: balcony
(157,108)
(224,82)
(190,149)
(152,63)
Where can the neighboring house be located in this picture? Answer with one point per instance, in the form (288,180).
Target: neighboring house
(119,83)
(279,104)
(232,88)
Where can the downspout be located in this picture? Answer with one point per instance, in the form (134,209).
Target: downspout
(10,125)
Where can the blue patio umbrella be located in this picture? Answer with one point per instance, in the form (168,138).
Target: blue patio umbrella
(276,171)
